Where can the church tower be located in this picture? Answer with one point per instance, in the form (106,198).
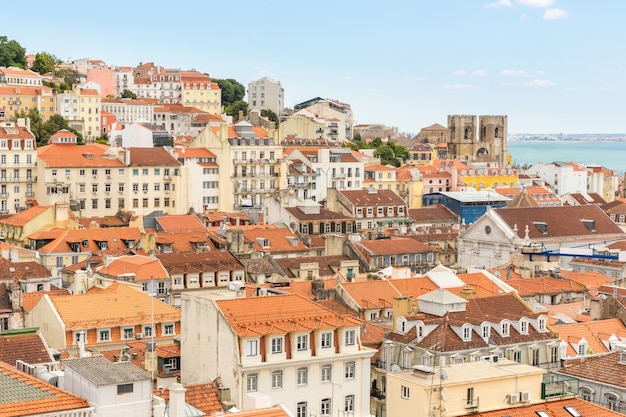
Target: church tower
(462,130)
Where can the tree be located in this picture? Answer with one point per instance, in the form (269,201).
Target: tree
(233,109)
(36,123)
(44,62)
(270,115)
(232,91)
(12,54)
(129,94)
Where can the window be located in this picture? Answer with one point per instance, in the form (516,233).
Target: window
(469,400)
(277,379)
(147,331)
(128,333)
(535,357)
(523,327)
(327,372)
(517,356)
(505,328)
(168,330)
(586,394)
(486,331)
(349,371)
(350,336)
(327,339)
(252,382)
(277,345)
(325,407)
(404,392)
(303,374)
(252,348)
(302,342)
(124,389)
(612,402)
(301,409)
(349,404)
(467,333)
(104,335)
(541,324)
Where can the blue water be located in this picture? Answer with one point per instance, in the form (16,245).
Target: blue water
(611,155)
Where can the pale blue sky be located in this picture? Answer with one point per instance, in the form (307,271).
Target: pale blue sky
(550,65)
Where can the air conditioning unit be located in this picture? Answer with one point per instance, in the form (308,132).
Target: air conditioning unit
(513,398)
(139,336)
(524,396)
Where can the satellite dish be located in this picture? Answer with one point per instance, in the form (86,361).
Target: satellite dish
(395,368)
(443,375)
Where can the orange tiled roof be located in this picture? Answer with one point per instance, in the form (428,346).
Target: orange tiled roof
(15,132)
(24,394)
(23,217)
(184,241)
(279,314)
(394,246)
(553,409)
(371,294)
(61,155)
(115,305)
(30,299)
(544,285)
(275,411)
(204,397)
(144,267)
(596,333)
(114,236)
(26,345)
(180,223)
(277,237)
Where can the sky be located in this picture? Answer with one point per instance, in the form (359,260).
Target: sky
(551,66)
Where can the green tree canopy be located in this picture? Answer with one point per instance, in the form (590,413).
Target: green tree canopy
(389,152)
(44,62)
(270,115)
(233,109)
(12,54)
(129,94)
(43,130)
(232,91)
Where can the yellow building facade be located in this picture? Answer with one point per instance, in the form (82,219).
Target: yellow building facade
(483,178)
(89,111)
(18,98)
(198,91)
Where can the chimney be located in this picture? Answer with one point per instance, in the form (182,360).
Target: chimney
(401,307)
(468,293)
(177,400)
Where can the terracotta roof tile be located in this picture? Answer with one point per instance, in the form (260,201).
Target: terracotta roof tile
(173,223)
(361,198)
(23,394)
(204,397)
(67,155)
(394,246)
(144,268)
(111,306)
(596,333)
(279,314)
(553,409)
(152,157)
(26,345)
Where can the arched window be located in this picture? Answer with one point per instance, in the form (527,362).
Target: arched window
(612,401)
(586,393)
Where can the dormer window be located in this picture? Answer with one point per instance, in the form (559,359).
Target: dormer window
(505,328)
(74,246)
(486,330)
(541,324)
(467,332)
(542,227)
(523,326)
(582,347)
(102,244)
(401,325)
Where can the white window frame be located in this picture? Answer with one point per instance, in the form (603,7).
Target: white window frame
(102,332)
(252,382)
(404,392)
(350,337)
(252,347)
(326,373)
(302,342)
(277,345)
(277,379)
(326,340)
(302,376)
(350,370)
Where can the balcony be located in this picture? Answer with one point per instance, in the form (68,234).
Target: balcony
(30,194)
(377,393)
